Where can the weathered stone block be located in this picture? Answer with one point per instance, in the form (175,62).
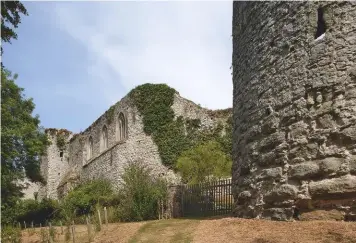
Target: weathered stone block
(272,173)
(272,141)
(330,165)
(304,170)
(281,193)
(326,121)
(350,133)
(336,187)
(243,197)
(271,125)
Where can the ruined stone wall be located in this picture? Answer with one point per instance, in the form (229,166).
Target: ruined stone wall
(54,164)
(64,168)
(110,163)
(294,108)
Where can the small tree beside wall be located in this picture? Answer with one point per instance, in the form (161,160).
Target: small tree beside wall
(141,193)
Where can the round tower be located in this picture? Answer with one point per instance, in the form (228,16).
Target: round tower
(294,108)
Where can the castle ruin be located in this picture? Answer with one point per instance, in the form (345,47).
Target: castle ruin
(294,108)
(113,141)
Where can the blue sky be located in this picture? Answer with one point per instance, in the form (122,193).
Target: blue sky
(76,59)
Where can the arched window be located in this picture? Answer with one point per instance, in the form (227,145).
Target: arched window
(90,148)
(104,138)
(121,128)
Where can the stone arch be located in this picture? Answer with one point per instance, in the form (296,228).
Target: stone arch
(121,127)
(104,138)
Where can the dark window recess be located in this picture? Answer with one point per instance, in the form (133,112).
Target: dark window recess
(61,154)
(321,28)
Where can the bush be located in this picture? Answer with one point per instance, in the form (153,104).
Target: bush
(203,162)
(84,198)
(140,194)
(37,212)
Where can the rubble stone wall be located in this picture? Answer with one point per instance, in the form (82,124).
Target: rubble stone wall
(294,108)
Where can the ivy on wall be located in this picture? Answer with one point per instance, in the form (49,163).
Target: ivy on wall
(173,136)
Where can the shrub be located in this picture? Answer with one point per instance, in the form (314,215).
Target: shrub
(140,194)
(37,212)
(202,162)
(84,198)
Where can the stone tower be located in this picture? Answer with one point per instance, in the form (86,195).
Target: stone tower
(294,108)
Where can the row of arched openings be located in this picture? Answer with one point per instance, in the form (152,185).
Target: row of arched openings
(120,135)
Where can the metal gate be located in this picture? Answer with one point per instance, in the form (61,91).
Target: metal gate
(208,199)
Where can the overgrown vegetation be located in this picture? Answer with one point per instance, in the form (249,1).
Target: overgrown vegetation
(140,194)
(84,199)
(204,162)
(61,142)
(173,136)
(137,200)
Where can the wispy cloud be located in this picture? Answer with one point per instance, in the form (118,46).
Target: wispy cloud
(184,44)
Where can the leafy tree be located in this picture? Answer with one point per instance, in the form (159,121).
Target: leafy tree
(10,19)
(202,162)
(22,141)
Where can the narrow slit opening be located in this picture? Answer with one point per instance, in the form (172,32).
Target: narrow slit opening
(321,25)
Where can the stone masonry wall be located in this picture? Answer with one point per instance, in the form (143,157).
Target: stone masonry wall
(294,108)
(54,165)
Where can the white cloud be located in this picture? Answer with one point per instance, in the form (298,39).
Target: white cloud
(184,44)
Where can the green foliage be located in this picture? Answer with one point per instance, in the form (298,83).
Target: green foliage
(154,102)
(84,198)
(10,234)
(10,19)
(204,162)
(61,142)
(140,194)
(22,142)
(37,212)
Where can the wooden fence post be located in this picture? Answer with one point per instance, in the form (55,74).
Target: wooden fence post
(49,232)
(73,231)
(60,222)
(99,217)
(106,216)
(89,228)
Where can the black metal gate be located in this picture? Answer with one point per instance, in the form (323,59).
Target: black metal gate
(208,199)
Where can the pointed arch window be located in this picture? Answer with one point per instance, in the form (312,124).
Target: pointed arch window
(104,138)
(121,128)
(90,148)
